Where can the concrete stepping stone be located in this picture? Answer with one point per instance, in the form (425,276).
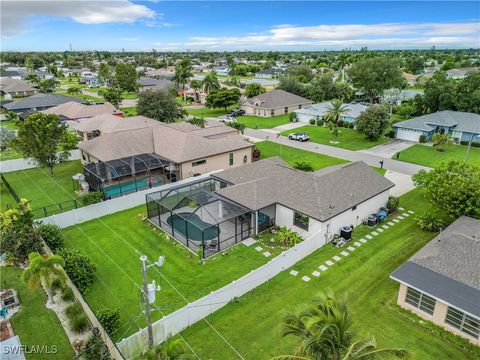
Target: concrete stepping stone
(344,253)
(390,223)
(385,226)
(249,242)
(401,217)
(374,233)
(316,273)
(259,248)
(380,230)
(369,237)
(351,248)
(396,220)
(329,262)
(363,241)
(293,272)
(410,212)
(405,214)
(337,258)
(323,268)
(357,244)
(305,278)
(400,208)
(266,254)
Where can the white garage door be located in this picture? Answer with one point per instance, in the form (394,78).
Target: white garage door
(407,134)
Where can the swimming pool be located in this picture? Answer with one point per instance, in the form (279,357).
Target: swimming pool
(194,233)
(129,187)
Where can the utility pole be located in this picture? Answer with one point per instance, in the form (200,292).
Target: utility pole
(468,148)
(146,294)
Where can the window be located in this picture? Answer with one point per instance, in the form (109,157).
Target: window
(300,220)
(272,112)
(199,162)
(230,160)
(420,300)
(463,322)
(300,106)
(286,109)
(354,208)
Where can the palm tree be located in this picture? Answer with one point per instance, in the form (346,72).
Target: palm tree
(183,72)
(210,82)
(170,350)
(335,110)
(343,61)
(74,90)
(324,332)
(43,270)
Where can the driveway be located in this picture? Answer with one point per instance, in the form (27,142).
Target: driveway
(388,150)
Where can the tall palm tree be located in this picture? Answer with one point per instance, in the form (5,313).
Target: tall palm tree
(183,72)
(335,110)
(43,270)
(210,82)
(324,332)
(343,61)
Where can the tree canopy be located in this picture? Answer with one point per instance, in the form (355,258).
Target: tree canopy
(223,98)
(126,76)
(160,105)
(254,89)
(373,122)
(112,95)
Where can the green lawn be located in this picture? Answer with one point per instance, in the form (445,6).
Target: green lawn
(79,96)
(36,325)
(260,122)
(292,155)
(206,112)
(9,154)
(129,111)
(9,124)
(252,324)
(429,156)
(114,243)
(42,189)
(348,139)
(6,199)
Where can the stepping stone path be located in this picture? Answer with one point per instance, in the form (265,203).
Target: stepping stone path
(363,241)
(259,248)
(316,273)
(380,230)
(356,243)
(405,214)
(305,278)
(374,233)
(323,268)
(337,258)
(294,272)
(410,212)
(401,217)
(385,226)
(396,220)
(351,248)
(391,223)
(401,209)
(368,237)
(266,254)
(329,263)
(344,253)
(248,242)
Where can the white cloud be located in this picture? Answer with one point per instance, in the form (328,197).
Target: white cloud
(15,14)
(354,35)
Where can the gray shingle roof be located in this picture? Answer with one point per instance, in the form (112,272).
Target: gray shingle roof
(154,83)
(448,267)
(320,109)
(39,101)
(459,121)
(321,195)
(277,98)
(10,85)
(8,73)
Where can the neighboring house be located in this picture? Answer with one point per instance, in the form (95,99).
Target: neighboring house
(38,102)
(461,73)
(223,71)
(148,83)
(266,83)
(461,126)
(273,103)
(73,110)
(12,74)
(159,152)
(44,75)
(15,87)
(90,78)
(441,282)
(246,200)
(166,73)
(407,95)
(269,73)
(317,111)
(410,78)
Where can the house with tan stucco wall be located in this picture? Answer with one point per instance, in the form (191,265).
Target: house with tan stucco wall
(274,103)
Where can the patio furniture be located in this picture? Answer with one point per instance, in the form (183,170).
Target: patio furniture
(214,243)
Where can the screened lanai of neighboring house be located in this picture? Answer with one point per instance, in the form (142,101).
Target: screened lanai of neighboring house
(130,174)
(199,218)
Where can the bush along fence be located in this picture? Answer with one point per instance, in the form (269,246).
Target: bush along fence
(9,187)
(179,320)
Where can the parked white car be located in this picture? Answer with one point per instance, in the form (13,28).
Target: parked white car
(299,136)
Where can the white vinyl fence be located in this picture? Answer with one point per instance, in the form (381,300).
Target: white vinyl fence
(90,212)
(179,320)
(24,164)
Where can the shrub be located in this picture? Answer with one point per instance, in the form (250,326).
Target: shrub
(312,121)
(319,122)
(67,294)
(340,123)
(392,203)
(422,139)
(79,268)
(77,319)
(110,320)
(303,166)
(52,235)
(390,134)
(351,125)
(466,143)
(56,285)
(292,116)
(429,222)
(95,348)
(92,198)
(286,237)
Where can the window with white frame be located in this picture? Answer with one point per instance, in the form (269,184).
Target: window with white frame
(463,322)
(420,300)
(300,220)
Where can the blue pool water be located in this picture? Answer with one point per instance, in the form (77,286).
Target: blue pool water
(130,187)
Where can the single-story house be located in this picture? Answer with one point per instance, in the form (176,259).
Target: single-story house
(411,79)
(269,73)
(461,73)
(221,70)
(246,200)
(148,83)
(73,110)
(274,103)
(89,77)
(166,72)
(38,102)
(441,282)
(317,111)
(12,74)
(461,126)
(266,83)
(44,75)
(156,152)
(15,87)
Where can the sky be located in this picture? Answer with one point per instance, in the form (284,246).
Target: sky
(114,25)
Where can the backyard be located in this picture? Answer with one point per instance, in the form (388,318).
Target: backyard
(114,244)
(252,324)
(35,325)
(347,139)
(206,112)
(429,156)
(260,122)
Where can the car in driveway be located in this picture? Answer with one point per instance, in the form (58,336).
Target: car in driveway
(235,113)
(300,136)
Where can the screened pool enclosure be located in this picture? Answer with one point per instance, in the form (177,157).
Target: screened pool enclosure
(199,218)
(130,174)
